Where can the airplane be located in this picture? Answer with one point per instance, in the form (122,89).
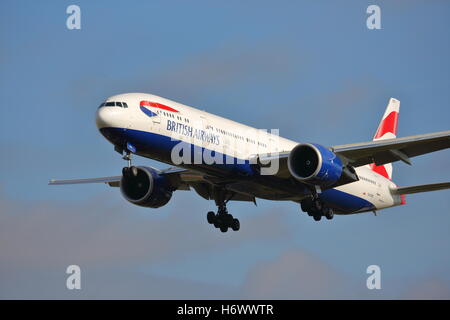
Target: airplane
(223,160)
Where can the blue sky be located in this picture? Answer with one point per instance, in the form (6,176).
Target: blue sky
(311,69)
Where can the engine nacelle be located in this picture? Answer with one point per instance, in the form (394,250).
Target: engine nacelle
(144,187)
(315,165)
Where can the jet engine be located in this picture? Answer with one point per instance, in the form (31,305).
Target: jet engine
(316,165)
(144,187)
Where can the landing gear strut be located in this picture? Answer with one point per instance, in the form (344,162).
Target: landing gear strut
(129,170)
(222,220)
(316,208)
(127,157)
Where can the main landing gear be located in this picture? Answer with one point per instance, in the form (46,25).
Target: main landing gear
(222,220)
(316,209)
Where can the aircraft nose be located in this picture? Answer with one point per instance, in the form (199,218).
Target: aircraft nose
(107,117)
(102,117)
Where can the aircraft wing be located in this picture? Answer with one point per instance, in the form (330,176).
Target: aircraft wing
(421,188)
(379,152)
(112,181)
(172,173)
(386,151)
(181,178)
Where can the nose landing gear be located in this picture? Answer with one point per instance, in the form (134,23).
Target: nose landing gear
(127,157)
(129,171)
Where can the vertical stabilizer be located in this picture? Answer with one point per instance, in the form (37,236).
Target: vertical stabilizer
(387,130)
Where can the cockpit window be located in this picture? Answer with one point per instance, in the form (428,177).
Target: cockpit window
(114,104)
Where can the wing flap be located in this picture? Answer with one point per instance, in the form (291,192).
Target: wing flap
(422,188)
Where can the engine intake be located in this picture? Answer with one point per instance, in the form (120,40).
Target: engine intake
(314,164)
(144,187)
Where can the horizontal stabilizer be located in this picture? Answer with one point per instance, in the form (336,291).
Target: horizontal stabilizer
(422,188)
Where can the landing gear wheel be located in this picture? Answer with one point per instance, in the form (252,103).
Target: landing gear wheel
(222,220)
(329,214)
(211,217)
(235,225)
(317,217)
(317,205)
(126,171)
(134,171)
(306,204)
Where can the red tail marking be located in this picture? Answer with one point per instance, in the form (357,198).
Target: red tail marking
(389,124)
(157,105)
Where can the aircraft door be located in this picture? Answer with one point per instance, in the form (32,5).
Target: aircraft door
(156,119)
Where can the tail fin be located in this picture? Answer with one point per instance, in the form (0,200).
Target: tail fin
(387,130)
